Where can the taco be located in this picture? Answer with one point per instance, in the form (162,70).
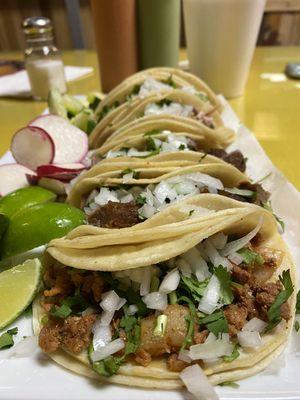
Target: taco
(123,191)
(205,288)
(172,102)
(152,135)
(155,79)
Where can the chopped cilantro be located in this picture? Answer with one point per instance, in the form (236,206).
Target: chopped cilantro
(268,207)
(169,81)
(6,339)
(150,144)
(107,367)
(154,285)
(274,311)
(251,257)
(191,212)
(106,109)
(230,384)
(163,102)
(173,297)
(140,200)
(90,126)
(126,171)
(62,311)
(110,365)
(263,178)
(193,287)
(136,89)
(128,322)
(215,322)
(191,320)
(181,147)
(298,303)
(202,96)
(152,132)
(297,326)
(233,356)
(226,295)
(202,157)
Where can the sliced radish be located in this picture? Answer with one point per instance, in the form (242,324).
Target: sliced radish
(13,177)
(63,172)
(71,143)
(32,146)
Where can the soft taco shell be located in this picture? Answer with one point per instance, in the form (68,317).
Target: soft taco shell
(133,134)
(138,248)
(134,109)
(180,78)
(152,171)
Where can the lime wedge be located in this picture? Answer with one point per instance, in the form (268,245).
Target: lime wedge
(3,224)
(18,286)
(23,198)
(37,225)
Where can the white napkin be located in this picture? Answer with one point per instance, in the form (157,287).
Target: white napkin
(17,85)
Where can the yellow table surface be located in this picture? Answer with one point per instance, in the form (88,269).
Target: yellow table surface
(269,108)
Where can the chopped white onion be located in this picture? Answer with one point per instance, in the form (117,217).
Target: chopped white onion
(132,309)
(102,334)
(156,301)
(219,240)
(146,280)
(197,263)
(171,109)
(184,267)
(170,282)
(249,339)
(209,302)
(238,244)
(183,355)
(127,177)
(206,180)
(151,85)
(146,211)
(127,199)
(111,301)
(132,152)
(105,351)
(185,188)
(236,258)
(211,349)
(105,195)
(255,325)
(197,383)
(163,191)
(106,317)
(215,257)
(25,348)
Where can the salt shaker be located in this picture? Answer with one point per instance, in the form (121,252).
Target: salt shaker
(43,60)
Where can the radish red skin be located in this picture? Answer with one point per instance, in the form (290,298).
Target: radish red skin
(71,143)
(32,146)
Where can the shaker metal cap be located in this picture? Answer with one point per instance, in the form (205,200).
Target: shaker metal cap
(37,25)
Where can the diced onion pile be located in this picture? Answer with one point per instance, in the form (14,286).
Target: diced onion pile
(156,197)
(168,142)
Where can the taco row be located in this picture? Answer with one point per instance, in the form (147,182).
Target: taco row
(180,269)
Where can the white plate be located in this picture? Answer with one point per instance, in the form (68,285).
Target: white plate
(37,378)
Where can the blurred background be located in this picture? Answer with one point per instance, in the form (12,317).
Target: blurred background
(73,28)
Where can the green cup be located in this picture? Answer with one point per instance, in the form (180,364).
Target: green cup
(158,33)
